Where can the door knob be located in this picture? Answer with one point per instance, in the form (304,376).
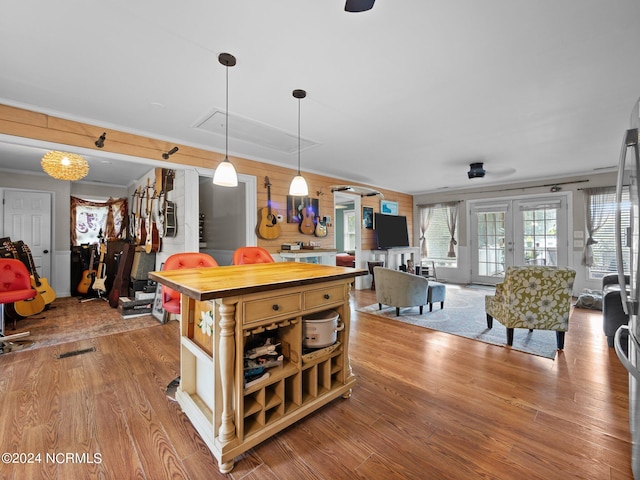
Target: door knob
(45,251)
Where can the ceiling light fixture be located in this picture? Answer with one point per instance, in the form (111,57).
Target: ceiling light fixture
(100,141)
(298,187)
(476,170)
(64,166)
(356,6)
(169,153)
(225,175)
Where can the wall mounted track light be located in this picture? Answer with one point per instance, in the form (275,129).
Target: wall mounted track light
(100,141)
(169,153)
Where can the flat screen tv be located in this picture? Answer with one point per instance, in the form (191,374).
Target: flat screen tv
(391,231)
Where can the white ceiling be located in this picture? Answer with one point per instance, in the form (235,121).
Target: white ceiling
(402,97)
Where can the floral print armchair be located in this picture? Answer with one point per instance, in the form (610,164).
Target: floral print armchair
(533,297)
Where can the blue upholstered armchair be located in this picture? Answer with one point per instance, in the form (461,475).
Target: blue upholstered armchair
(400,289)
(533,297)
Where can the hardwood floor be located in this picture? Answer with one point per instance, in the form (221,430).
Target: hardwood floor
(426,405)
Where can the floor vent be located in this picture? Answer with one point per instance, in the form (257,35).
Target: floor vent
(76,352)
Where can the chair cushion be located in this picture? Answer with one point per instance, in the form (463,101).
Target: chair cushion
(177,261)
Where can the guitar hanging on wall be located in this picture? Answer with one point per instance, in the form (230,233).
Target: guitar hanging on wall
(167,222)
(268,226)
(307,225)
(141,230)
(321,227)
(152,242)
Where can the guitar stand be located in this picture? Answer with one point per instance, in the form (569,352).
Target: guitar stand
(8,343)
(88,299)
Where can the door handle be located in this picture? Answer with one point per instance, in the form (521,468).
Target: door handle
(45,251)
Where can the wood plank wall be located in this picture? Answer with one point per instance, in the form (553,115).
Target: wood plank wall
(28,124)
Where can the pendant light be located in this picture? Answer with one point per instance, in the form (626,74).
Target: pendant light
(64,166)
(225,175)
(298,187)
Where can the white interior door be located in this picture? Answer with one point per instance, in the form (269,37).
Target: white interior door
(27,217)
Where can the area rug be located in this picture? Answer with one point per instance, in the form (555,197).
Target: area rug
(69,320)
(464,315)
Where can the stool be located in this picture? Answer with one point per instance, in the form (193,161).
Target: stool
(436,292)
(371,266)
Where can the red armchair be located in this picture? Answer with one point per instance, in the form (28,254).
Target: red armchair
(15,285)
(247,255)
(171,298)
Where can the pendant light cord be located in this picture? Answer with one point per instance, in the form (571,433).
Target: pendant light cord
(226,135)
(298,136)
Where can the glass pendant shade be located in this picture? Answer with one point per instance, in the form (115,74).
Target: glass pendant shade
(299,186)
(225,175)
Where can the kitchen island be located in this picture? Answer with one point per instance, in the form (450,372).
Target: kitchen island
(222,310)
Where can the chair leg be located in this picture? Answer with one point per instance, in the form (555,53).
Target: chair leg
(489,321)
(421,309)
(431,307)
(379,306)
(441,305)
(560,340)
(510,337)
(397,311)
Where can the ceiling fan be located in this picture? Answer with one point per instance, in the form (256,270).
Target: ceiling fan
(355,6)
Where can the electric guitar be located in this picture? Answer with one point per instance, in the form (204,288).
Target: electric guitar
(268,226)
(307,226)
(99,283)
(88,275)
(41,285)
(321,228)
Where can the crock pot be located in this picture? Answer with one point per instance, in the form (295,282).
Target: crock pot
(321,329)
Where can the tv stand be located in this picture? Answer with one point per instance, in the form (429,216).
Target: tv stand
(394,257)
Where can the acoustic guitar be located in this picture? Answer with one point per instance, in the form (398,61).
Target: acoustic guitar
(40,284)
(99,283)
(86,282)
(170,225)
(268,226)
(166,220)
(121,283)
(307,226)
(152,242)
(141,229)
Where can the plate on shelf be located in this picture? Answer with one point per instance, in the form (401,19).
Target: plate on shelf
(322,352)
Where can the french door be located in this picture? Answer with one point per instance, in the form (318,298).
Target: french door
(528,231)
